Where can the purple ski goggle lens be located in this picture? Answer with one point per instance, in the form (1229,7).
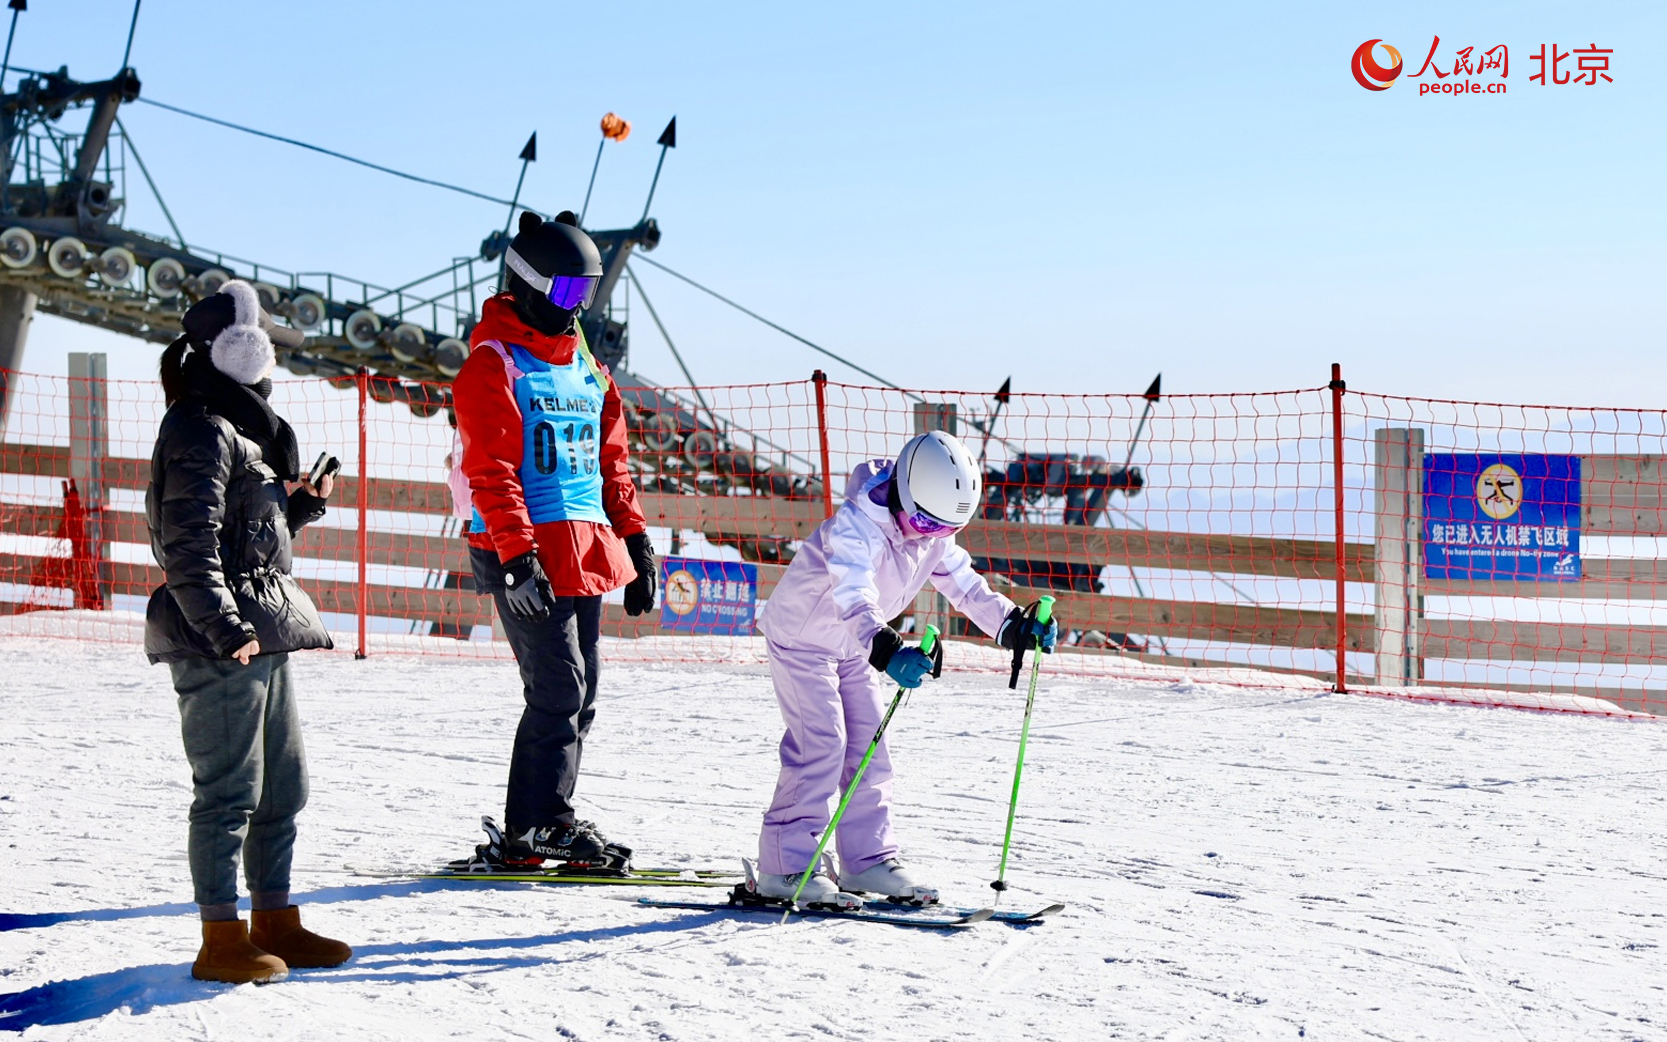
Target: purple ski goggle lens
(573,291)
(922,523)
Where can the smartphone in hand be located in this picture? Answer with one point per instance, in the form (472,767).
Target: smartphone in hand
(326,465)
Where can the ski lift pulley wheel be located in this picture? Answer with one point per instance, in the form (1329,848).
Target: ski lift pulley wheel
(300,364)
(738,464)
(211,282)
(67,257)
(305,311)
(449,355)
(18,248)
(659,432)
(425,400)
(115,266)
(270,297)
(700,448)
(165,278)
(362,329)
(407,342)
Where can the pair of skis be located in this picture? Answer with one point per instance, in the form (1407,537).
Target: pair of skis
(740,898)
(931,917)
(566,876)
(745,898)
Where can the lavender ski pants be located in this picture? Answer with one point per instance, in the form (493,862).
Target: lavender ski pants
(832,707)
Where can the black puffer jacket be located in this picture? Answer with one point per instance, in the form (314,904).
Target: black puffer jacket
(220,527)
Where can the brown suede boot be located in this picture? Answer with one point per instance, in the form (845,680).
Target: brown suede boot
(281,933)
(228,957)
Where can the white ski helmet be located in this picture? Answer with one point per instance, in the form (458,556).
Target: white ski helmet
(937,476)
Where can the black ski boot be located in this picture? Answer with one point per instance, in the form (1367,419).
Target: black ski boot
(578,848)
(612,853)
(495,855)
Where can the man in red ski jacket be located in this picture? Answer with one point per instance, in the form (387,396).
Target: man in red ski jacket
(580,558)
(556,525)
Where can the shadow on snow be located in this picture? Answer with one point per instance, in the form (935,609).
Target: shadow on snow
(140,989)
(328,895)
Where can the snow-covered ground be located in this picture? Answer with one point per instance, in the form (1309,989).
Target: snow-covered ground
(1239,864)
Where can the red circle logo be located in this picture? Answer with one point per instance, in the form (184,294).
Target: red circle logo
(1368,73)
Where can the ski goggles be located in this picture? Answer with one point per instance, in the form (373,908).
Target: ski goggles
(568,292)
(922,523)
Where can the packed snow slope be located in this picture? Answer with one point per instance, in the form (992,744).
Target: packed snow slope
(1239,864)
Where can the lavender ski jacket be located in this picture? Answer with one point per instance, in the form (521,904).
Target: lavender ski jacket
(858,570)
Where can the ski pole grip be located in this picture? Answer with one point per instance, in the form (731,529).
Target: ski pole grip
(930,641)
(1044,609)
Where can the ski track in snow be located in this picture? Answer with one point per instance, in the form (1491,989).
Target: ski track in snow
(1238,865)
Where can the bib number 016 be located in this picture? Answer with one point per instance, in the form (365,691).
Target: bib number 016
(550,440)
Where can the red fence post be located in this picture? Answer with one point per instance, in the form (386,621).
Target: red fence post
(362,597)
(1337,389)
(820,379)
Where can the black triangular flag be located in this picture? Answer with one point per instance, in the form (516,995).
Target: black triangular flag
(530,153)
(668,136)
(19,5)
(1006,392)
(1154,392)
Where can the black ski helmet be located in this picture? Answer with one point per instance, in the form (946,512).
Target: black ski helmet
(541,252)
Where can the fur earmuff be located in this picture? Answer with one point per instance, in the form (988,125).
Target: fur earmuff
(243,351)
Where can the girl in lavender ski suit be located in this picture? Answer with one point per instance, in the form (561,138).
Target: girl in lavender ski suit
(860,568)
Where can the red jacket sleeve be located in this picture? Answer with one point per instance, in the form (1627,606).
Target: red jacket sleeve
(489,422)
(619,492)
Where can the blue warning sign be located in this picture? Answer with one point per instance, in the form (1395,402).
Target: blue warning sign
(1512,517)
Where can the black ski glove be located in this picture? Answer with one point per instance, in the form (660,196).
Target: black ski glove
(1021,631)
(303,509)
(526,588)
(639,593)
(889,642)
(883,647)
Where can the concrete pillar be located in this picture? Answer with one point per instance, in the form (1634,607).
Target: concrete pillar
(17,312)
(89,447)
(89,427)
(1398,556)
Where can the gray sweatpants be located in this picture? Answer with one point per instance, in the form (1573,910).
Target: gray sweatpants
(242,735)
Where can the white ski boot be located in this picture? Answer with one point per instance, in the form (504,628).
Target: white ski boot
(892,882)
(820,890)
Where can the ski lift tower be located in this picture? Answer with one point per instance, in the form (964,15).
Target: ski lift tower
(65,251)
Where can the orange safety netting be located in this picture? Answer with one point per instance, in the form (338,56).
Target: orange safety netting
(1322,537)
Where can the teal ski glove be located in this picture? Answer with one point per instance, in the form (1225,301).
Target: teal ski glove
(908,666)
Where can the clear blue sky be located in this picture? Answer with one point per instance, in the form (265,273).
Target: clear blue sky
(1078,195)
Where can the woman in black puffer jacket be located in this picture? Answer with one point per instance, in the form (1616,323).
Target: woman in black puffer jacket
(223,504)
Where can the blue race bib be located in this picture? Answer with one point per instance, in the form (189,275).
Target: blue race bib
(561,422)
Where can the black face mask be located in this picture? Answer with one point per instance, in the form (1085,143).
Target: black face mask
(246,407)
(537,312)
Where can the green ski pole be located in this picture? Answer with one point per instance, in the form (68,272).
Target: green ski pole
(927,642)
(1044,612)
